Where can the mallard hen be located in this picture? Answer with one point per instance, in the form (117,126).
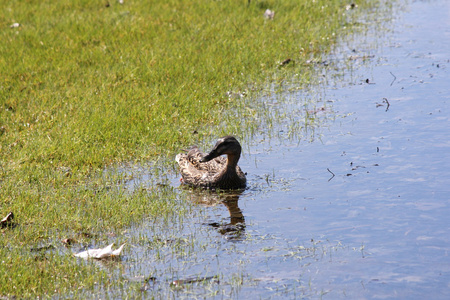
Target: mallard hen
(213,170)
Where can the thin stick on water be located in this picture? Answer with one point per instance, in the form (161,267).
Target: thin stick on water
(395,78)
(331,174)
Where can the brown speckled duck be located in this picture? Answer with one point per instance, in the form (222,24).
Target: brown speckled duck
(212,170)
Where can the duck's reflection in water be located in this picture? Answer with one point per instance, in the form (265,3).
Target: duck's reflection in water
(235,228)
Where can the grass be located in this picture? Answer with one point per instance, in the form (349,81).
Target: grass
(86,84)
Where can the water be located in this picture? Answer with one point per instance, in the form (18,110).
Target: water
(356,208)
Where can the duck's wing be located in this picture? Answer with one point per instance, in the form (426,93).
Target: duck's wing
(213,166)
(194,156)
(196,173)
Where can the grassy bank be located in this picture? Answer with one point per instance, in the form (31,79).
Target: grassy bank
(84,84)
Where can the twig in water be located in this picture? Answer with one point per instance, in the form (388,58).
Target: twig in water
(331,174)
(395,78)
(387,102)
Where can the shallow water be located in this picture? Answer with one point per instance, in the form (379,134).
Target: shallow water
(356,208)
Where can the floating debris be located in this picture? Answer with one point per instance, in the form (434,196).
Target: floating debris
(269,14)
(101,253)
(285,62)
(68,241)
(7,221)
(385,101)
(331,174)
(351,6)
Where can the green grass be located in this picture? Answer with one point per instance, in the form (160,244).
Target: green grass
(84,85)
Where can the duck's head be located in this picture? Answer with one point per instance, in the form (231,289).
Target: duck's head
(226,145)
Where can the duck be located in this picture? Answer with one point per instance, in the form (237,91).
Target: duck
(213,171)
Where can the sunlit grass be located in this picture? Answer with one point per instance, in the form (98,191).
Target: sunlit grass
(84,84)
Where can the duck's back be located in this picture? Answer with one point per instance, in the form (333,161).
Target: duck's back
(210,174)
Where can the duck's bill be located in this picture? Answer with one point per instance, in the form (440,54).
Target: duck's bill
(211,155)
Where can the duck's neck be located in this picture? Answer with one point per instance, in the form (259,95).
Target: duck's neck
(232,161)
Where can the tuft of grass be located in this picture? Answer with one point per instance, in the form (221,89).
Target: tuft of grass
(84,85)
(31,274)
